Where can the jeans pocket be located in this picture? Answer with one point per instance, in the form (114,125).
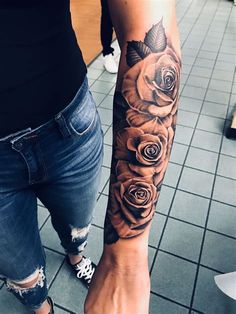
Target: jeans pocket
(84,117)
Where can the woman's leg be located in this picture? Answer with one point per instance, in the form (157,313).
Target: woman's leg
(22,260)
(106,29)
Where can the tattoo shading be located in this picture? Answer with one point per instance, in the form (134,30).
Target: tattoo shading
(144,125)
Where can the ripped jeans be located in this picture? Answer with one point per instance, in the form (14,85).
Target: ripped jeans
(58,163)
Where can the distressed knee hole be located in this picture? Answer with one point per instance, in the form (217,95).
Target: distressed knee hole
(79,233)
(31,282)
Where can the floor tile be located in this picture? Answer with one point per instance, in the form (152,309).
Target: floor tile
(98,97)
(156,229)
(102,87)
(208,298)
(68,291)
(183,135)
(151,255)
(206,140)
(100,211)
(211,124)
(9,304)
(182,239)
(219,252)
(202,159)
(105,115)
(190,104)
(104,178)
(95,244)
(172,175)
(222,218)
(228,147)
(107,156)
(217,96)
(196,181)
(53,263)
(224,86)
(178,153)
(108,77)
(198,81)
(200,71)
(194,92)
(214,109)
(190,208)
(222,75)
(108,136)
(107,102)
(225,190)
(165,199)
(42,215)
(227,167)
(160,305)
(187,118)
(174,271)
(94,73)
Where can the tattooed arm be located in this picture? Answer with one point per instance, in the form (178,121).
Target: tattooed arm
(145,108)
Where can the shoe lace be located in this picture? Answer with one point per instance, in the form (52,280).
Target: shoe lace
(85,269)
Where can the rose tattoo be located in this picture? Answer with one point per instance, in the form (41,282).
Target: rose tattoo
(144,124)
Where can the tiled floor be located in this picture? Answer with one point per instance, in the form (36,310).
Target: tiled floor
(193,236)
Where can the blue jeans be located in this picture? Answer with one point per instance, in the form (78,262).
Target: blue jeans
(60,163)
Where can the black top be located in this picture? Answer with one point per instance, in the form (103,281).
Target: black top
(41,65)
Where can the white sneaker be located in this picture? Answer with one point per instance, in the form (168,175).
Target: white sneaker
(110,64)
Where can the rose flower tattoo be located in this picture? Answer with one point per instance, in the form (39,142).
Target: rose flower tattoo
(143,132)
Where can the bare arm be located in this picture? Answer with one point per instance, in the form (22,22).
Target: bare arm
(144,119)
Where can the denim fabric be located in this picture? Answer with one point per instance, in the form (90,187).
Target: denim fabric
(60,163)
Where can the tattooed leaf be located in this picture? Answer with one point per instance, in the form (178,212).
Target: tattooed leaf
(136,51)
(156,39)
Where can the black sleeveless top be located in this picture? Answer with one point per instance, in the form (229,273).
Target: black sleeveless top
(41,65)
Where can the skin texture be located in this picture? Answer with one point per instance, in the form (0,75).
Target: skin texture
(144,120)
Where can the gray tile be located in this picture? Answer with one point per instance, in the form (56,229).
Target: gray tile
(108,137)
(42,215)
(187,118)
(188,60)
(208,298)
(200,71)
(107,156)
(202,159)
(186,68)
(227,166)
(225,190)
(105,115)
(169,273)
(190,104)
(50,238)
(156,229)
(190,208)
(53,263)
(183,135)
(95,244)
(224,86)
(96,64)
(196,181)
(98,97)
(165,199)
(211,124)
(151,254)
(104,178)
(222,218)
(58,310)
(108,77)
(194,92)
(219,252)
(182,239)
(105,128)
(94,73)
(68,291)
(172,175)
(206,140)
(10,305)
(198,81)
(107,102)
(100,210)
(102,87)
(214,109)
(222,75)
(160,305)
(205,63)
(217,96)
(225,66)
(228,147)
(178,153)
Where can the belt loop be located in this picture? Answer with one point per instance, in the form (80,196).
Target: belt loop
(62,125)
